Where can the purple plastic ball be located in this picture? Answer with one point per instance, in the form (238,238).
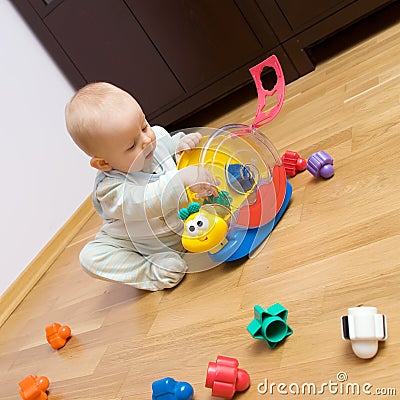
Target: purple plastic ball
(327,171)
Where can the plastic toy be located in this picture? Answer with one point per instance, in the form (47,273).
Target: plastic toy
(320,164)
(199,224)
(270,324)
(34,388)
(364,327)
(279,89)
(253,192)
(170,389)
(293,162)
(241,178)
(225,378)
(57,335)
(223,199)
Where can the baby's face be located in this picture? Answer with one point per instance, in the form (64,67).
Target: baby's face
(129,141)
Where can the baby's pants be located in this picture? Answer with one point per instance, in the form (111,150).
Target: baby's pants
(157,266)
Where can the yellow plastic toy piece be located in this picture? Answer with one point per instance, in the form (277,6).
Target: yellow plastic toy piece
(204,231)
(216,159)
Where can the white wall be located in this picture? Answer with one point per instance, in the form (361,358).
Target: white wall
(44,176)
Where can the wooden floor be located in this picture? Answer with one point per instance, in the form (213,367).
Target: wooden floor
(336,247)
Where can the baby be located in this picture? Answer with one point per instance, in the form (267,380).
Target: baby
(138,189)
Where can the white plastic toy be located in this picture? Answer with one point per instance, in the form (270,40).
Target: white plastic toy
(364,327)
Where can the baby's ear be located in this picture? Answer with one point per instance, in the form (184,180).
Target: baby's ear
(100,164)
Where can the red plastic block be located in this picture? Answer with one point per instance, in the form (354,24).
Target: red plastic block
(225,378)
(293,163)
(34,387)
(57,335)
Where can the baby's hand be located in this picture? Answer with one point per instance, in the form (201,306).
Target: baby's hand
(189,142)
(199,180)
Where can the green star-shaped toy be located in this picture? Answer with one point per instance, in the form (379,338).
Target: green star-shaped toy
(270,324)
(223,198)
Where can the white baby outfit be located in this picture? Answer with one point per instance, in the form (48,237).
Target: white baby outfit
(139,243)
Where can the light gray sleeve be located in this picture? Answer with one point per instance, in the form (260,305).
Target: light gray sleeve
(173,141)
(132,202)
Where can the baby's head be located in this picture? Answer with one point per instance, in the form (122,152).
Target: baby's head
(109,125)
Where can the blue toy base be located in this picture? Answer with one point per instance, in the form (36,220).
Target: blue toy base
(243,242)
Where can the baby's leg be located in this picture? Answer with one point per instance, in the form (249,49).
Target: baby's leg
(117,261)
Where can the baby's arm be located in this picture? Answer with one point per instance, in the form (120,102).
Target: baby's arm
(188,142)
(177,143)
(138,202)
(199,180)
(133,202)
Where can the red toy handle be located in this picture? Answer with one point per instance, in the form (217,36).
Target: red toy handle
(263,118)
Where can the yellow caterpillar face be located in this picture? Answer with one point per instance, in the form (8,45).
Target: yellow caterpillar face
(203,231)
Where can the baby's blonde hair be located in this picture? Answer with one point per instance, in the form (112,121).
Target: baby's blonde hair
(88,109)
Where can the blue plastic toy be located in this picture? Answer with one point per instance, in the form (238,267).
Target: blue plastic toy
(170,389)
(241,178)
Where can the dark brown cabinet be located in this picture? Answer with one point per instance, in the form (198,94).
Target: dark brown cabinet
(300,15)
(201,42)
(106,42)
(300,25)
(178,56)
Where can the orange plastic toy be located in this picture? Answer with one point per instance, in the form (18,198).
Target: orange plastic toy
(34,387)
(57,335)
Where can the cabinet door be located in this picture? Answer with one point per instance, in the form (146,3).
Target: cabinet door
(106,43)
(302,14)
(201,40)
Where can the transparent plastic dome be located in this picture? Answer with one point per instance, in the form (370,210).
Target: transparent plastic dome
(248,170)
(251,184)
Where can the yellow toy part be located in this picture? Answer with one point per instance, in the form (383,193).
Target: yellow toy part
(216,159)
(205,230)
(247,169)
